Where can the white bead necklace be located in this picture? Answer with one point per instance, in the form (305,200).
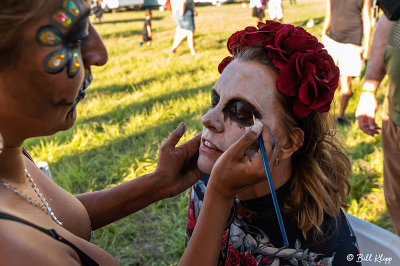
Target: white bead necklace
(45,206)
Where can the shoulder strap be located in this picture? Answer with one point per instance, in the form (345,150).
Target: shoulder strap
(27,155)
(85,259)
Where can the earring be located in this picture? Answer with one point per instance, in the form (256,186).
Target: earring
(276,161)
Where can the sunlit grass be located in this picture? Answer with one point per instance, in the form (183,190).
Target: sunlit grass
(142,94)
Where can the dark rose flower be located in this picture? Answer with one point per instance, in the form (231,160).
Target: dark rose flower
(238,40)
(289,40)
(191,220)
(242,211)
(270,27)
(265,260)
(232,257)
(307,72)
(248,259)
(313,78)
(224,63)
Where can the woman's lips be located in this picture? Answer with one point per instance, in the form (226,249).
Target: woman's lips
(208,147)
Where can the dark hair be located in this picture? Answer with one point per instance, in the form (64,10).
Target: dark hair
(147,12)
(320,180)
(14,16)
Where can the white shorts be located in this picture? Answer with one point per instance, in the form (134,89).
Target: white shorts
(275,9)
(346,56)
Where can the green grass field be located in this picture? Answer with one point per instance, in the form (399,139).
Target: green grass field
(142,94)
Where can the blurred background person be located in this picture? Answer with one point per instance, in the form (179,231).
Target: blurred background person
(385,59)
(258,7)
(183,13)
(98,11)
(346,23)
(275,10)
(146,32)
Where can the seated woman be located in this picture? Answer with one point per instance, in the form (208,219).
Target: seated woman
(47,48)
(282,75)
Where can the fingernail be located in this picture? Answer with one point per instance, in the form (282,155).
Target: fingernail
(257,127)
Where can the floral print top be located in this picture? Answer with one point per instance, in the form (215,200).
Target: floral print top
(255,238)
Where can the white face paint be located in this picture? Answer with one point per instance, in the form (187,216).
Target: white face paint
(243,88)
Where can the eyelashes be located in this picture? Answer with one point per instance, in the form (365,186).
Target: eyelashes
(237,110)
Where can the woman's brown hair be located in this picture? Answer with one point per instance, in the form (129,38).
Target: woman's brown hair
(320,182)
(15,15)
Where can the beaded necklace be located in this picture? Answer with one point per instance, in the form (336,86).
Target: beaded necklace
(44,206)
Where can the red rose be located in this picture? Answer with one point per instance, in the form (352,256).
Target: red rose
(313,78)
(270,27)
(289,40)
(248,259)
(191,220)
(242,211)
(224,63)
(265,260)
(307,72)
(232,257)
(238,40)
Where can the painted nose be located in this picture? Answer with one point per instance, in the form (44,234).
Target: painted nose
(94,53)
(212,120)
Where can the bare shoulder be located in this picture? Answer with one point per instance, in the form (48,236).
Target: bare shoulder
(68,209)
(22,245)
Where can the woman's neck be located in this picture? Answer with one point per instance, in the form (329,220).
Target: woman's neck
(12,165)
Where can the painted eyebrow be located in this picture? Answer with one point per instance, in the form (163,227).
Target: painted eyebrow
(79,22)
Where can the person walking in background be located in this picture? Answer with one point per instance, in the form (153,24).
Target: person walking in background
(293,2)
(346,23)
(183,13)
(385,59)
(275,10)
(98,11)
(146,32)
(258,7)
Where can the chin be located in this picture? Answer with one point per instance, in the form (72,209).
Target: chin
(205,165)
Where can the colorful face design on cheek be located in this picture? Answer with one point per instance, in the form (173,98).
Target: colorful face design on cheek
(70,18)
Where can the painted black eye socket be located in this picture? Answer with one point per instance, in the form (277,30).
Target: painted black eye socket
(239,110)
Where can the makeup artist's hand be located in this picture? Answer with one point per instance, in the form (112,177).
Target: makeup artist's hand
(177,166)
(240,166)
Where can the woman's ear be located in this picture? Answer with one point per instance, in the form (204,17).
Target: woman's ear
(294,141)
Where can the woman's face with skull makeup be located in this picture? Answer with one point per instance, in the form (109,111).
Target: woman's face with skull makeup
(243,89)
(48,78)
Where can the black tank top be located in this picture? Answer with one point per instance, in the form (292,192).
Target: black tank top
(346,21)
(85,259)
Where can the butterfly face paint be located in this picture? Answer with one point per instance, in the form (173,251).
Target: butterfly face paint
(71,18)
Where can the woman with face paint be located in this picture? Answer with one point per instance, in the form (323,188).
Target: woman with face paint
(47,48)
(281,75)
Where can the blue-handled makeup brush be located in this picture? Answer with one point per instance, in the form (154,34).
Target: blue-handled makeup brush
(272,189)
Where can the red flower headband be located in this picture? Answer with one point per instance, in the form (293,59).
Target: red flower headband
(307,71)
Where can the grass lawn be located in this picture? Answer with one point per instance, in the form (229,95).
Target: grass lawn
(142,94)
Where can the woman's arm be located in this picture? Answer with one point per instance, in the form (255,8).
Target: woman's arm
(176,171)
(367,22)
(233,172)
(367,105)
